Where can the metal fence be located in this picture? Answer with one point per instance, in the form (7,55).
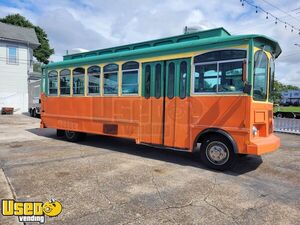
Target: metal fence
(287,125)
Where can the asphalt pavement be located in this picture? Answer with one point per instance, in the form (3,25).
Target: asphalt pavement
(105,180)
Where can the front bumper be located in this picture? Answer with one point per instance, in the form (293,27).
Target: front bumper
(262,145)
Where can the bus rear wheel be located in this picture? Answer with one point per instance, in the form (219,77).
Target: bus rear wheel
(60,133)
(74,136)
(216,152)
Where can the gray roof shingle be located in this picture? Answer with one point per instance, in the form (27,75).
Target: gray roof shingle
(19,34)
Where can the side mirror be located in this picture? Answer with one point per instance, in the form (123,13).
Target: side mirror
(247,88)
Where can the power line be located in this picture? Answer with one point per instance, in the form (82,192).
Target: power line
(274,6)
(295,9)
(268,15)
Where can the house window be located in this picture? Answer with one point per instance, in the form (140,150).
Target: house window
(12,55)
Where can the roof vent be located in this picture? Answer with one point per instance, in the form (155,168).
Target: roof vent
(75,51)
(192,29)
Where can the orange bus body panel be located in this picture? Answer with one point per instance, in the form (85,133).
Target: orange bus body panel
(170,112)
(142,119)
(88,114)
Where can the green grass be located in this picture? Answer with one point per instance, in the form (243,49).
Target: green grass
(287,108)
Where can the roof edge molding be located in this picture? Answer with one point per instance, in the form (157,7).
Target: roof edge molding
(217,32)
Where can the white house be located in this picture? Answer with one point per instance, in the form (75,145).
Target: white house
(16,65)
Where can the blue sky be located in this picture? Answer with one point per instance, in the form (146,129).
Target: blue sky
(94,24)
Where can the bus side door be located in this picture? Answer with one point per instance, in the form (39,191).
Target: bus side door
(151,129)
(176,105)
(165,103)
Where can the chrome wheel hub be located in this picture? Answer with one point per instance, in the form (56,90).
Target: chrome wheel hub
(217,153)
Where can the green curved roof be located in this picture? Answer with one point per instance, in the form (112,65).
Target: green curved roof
(172,45)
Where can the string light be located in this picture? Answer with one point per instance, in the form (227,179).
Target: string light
(268,14)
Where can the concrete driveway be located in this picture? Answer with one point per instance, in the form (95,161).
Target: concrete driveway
(106,180)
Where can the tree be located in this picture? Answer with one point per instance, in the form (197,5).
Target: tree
(37,67)
(43,52)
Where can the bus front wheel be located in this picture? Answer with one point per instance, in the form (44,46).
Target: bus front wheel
(216,152)
(34,114)
(74,136)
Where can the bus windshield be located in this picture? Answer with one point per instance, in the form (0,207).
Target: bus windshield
(260,76)
(272,78)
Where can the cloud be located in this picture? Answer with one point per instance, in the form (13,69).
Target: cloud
(94,24)
(66,32)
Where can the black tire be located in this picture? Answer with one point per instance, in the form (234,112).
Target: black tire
(217,153)
(31,112)
(242,155)
(60,133)
(34,113)
(74,136)
(290,115)
(279,115)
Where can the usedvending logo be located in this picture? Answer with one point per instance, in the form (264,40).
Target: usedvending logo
(30,211)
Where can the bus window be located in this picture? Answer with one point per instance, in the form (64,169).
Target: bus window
(182,81)
(147,81)
(231,77)
(206,78)
(64,82)
(158,80)
(221,55)
(93,80)
(219,71)
(171,80)
(52,76)
(111,79)
(130,71)
(78,81)
(260,76)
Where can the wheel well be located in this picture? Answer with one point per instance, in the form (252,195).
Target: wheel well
(202,136)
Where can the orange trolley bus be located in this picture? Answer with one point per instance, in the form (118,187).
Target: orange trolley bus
(208,89)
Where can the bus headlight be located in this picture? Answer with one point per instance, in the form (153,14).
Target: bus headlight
(254,131)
